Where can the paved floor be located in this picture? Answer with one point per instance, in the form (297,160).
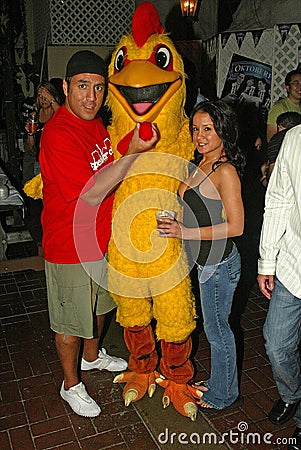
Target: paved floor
(33,416)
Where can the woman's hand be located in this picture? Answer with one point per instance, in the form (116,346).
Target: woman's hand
(44,93)
(171,229)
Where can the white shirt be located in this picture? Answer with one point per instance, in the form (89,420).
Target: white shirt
(280,241)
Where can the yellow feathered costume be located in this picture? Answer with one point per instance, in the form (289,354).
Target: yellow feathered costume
(148,274)
(34,187)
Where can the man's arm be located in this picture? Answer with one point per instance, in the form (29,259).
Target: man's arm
(108,178)
(272,120)
(277,207)
(271,131)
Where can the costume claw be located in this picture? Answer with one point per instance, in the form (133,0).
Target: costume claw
(137,384)
(118,378)
(191,410)
(165,401)
(152,384)
(130,396)
(181,395)
(196,393)
(159,377)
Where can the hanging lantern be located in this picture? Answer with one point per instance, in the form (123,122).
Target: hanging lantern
(189,8)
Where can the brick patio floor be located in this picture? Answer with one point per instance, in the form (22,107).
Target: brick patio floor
(33,416)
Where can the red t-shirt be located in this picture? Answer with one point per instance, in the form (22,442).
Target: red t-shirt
(72,151)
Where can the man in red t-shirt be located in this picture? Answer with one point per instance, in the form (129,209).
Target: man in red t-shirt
(79,177)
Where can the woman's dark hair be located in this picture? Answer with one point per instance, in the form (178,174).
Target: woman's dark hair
(226,126)
(58,85)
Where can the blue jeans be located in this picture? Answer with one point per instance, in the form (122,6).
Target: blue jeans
(281,331)
(217,285)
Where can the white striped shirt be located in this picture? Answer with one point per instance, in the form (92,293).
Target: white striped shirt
(280,241)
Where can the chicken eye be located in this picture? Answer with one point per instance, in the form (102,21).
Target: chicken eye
(162,57)
(119,59)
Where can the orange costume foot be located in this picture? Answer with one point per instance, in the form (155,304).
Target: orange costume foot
(182,396)
(142,363)
(175,366)
(137,384)
(177,371)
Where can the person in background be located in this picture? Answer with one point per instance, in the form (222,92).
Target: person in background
(213,213)
(290,103)
(285,122)
(47,102)
(79,177)
(279,275)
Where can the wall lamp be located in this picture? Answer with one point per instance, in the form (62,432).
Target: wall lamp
(189,9)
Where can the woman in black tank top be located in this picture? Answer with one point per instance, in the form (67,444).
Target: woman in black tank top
(212,214)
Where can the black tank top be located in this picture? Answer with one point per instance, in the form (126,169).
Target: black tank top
(200,211)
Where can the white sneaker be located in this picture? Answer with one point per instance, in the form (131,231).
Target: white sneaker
(105,361)
(80,401)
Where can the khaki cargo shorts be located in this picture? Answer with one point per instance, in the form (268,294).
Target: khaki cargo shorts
(77,293)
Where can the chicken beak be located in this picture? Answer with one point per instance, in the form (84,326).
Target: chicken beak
(140,100)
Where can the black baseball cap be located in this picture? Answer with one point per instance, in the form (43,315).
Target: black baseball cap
(85,61)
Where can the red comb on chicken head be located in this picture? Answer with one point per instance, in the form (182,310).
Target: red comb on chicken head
(145,21)
(145,71)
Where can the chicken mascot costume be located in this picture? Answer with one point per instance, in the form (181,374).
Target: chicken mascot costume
(148,274)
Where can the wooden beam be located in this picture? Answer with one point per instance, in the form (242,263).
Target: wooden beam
(16,265)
